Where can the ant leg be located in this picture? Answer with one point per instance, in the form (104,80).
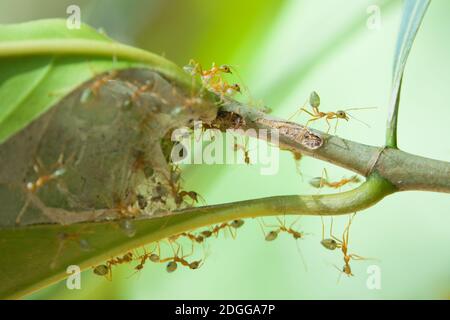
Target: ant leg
(281,222)
(340,273)
(323,228)
(22,211)
(294,222)
(357,257)
(326,174)
(261,225)
(322,180)
(301,255)
(335,127)
(269,225)
(299,111)
(339,241)
(311,120)
(348,229)
(328,124)
(233,235)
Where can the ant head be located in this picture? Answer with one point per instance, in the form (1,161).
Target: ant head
(272,235)
(297,235)
(128,256)
(330,244)
(342,115)
(225,68)
(316,182)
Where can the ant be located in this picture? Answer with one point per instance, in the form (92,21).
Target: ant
(281,227)
(138,89)
(173,261)
(63,238)
(94,88)
(44,179)
(177,193)
(41,181)
(148,256)
(235,224)
(335,242)
(245,150)
(320,182)
(106,269)
(194,68)
(191,194)
(132,92)
(190,236)
(223,88)
(126,210)
(316,114)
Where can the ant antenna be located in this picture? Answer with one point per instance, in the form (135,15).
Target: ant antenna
(340,273)
(351,109)
(301,255)
(241,80)
(353,117)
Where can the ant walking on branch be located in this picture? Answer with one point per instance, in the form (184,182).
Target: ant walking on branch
(316,114)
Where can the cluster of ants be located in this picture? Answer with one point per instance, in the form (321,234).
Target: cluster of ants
(211,78)
(179,258)
(176,258)
(213,81)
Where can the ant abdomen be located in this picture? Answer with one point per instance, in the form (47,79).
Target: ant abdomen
(171,266)
(329,244)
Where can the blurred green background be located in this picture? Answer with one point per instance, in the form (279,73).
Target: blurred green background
(283,50)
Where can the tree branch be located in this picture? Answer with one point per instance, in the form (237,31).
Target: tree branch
(405,171)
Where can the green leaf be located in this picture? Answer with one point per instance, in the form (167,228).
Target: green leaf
(42,61)
(413,13)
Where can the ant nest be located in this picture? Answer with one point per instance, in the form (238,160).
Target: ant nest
(101,153)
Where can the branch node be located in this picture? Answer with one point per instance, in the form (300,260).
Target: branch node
(373,161)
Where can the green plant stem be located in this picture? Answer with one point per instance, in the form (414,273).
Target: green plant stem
(405,171)
(156,229)
(391,128)
(113,50)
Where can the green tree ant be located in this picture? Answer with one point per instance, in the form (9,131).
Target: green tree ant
(316,114)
